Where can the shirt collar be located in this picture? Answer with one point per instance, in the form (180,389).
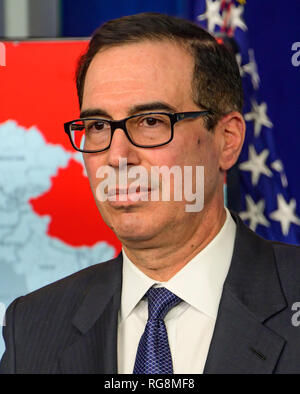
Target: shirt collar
(135,285)
(199,283)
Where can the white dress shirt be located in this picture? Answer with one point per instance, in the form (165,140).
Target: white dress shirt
(190,324)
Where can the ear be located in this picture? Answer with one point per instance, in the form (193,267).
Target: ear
(232,131)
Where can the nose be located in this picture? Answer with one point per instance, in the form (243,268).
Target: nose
(120,148)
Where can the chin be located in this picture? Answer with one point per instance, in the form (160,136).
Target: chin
(133,231)
(136,240)
(132,224)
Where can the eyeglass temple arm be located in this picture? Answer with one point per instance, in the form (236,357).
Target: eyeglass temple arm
(77,127)
(193,114)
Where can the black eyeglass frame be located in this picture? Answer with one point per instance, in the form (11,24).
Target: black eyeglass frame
(121,124)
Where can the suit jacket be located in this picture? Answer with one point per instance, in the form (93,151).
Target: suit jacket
(70,326)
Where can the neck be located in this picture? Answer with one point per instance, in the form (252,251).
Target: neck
(163,262)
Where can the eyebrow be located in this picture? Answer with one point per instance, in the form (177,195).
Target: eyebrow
(154,106)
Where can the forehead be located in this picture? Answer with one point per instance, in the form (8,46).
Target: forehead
(148,70)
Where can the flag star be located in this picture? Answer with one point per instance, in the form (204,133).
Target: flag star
(212,14)
(278,166)
(239,62)
(235,17)
(259,116)
(254,213)
(251,68)
(256,164)
(285,214)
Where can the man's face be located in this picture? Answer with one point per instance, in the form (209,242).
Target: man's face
(120,79)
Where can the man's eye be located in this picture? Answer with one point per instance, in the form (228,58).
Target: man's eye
(150,121)
(96,126)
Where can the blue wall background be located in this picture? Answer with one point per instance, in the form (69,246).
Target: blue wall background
(273,27)
(82,17)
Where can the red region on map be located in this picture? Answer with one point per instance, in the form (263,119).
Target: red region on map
(38,89)
(75,218)
(39,86)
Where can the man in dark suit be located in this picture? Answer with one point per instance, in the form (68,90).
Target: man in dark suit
(194,290)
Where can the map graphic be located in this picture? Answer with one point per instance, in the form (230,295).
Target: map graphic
(49,224)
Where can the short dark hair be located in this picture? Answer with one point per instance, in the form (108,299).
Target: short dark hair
(216,81)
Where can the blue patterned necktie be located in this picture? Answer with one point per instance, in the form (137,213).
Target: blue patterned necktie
(153,355)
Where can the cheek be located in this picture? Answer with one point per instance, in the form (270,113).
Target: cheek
(92,164)
(202,151)
(177,152)
(193,147)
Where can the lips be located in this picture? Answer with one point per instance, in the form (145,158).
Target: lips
(128,196)
(119,191)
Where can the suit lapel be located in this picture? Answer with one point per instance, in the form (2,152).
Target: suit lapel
(252,293)
(96,321)
(241,344)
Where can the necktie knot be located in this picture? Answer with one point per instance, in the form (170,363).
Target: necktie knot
(160,301)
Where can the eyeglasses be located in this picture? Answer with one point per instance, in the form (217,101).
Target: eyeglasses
(148,130)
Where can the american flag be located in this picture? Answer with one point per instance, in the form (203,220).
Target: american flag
(264,201)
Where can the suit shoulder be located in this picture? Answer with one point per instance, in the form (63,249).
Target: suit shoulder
(288,266)
(287,252)
(69,290)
